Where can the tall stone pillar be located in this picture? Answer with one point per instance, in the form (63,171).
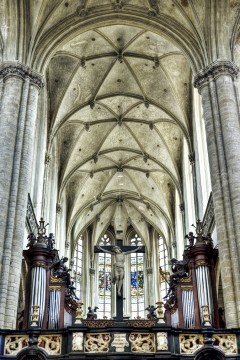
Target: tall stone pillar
(216,84)
(18,110)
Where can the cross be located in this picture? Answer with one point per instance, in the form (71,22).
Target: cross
(118,268)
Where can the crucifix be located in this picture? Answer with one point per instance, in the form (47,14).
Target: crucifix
(119,251)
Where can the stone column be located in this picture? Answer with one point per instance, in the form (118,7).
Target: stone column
(18,116)
(149,298)
(92,273)
(216,84)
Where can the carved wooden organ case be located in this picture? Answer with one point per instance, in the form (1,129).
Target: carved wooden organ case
(192,298)
(50,297)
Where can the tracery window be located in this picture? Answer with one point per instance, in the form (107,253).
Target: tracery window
(104,280)
(163,263)
(137,280)
(78,266)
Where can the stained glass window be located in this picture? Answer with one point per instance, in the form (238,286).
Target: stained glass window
(77,272)
(163,262)
(104,280)
(137,280)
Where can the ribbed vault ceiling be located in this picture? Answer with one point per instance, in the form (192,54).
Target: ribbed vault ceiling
(119,109)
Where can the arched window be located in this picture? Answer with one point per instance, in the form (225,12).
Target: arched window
(163,263)
(77,271)
(137,280)
(202,162)
(104,280)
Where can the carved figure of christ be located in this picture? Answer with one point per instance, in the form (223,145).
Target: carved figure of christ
(118,267)
(119,251)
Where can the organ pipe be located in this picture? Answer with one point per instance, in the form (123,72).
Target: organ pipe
(38,291)
(204,287)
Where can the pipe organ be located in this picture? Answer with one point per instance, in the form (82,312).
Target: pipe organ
(192,285)
(49,289)
(190,303)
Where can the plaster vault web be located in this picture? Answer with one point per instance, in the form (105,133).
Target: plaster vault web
(119,109)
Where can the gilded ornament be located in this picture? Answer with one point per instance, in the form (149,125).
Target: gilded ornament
(98,342)
(54,288)
(98,323)
(50,343)
(226,343)
(189,343)
(14,344)
(201,263)
(141,323)
(142,342)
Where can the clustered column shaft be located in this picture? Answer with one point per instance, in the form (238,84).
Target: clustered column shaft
(18,109)
(216,84)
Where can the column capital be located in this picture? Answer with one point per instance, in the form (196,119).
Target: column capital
(15,68)
(213,70)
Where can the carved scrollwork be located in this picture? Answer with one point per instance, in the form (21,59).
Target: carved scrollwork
(189,343)
(226,342)
(186,279)
(97,342)
(14,344)
(142,342)
(54,288)
(50,343)
(141,323)
(98,323)
(56,280)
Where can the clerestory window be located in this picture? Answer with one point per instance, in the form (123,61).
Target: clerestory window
(77,271)
(104,280)
(137,280)
(163,263)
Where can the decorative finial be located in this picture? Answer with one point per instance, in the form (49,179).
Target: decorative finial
(160,312)
(35,316)
(206,316)
(79,313)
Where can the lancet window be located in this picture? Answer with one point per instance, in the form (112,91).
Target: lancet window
(137,279)
(104,279)
(78,266)
(163,263)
